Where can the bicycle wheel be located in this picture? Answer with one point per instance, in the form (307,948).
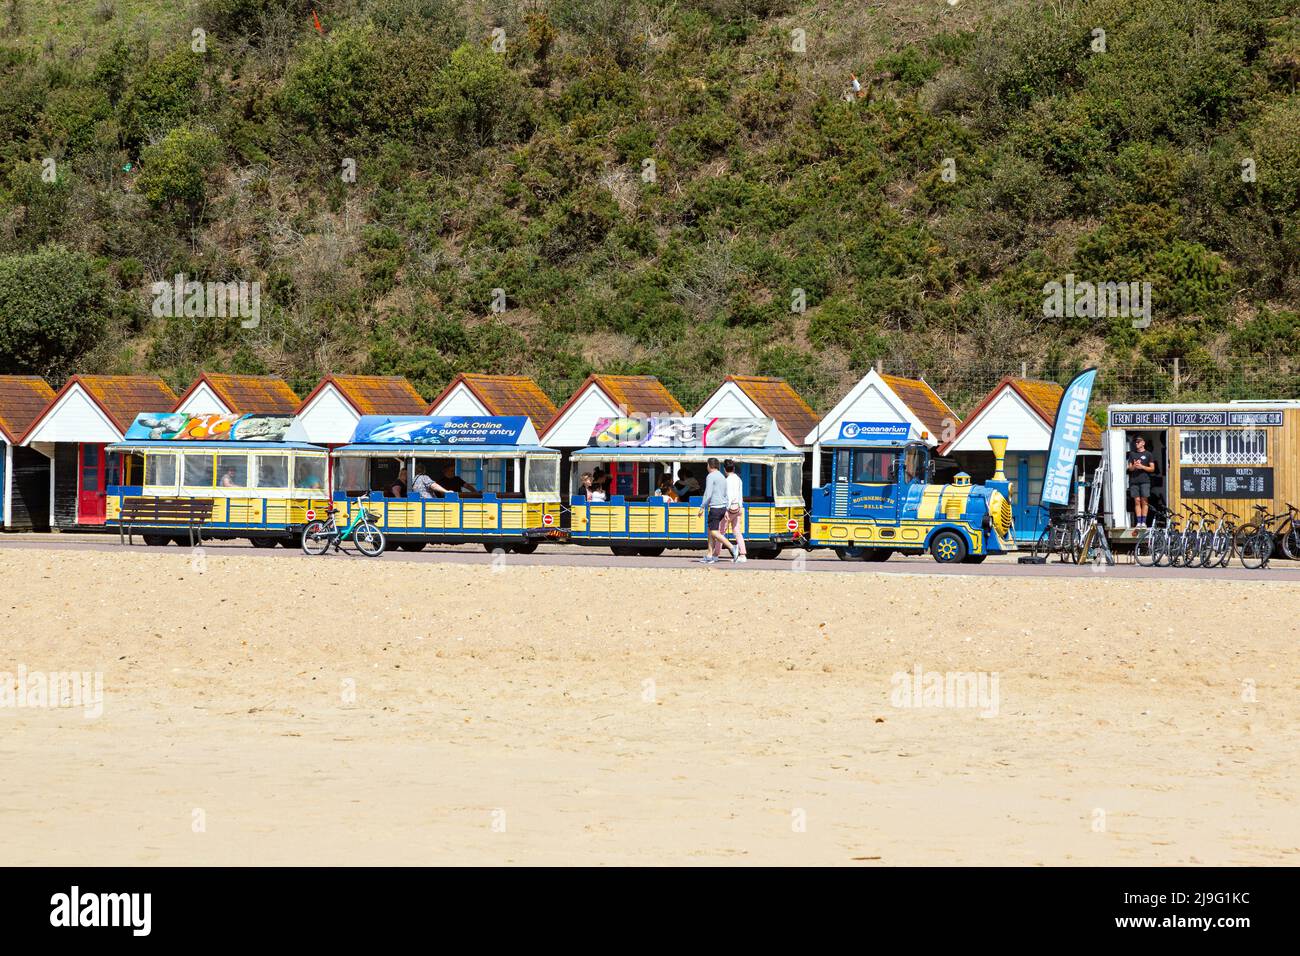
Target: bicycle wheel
(1291,543)
(316,537)
(1229,547)
(368,539)
(1144,550)
(1256,549)
(1082,546)
(1043,546)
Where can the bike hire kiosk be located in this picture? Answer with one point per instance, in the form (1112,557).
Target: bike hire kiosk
(1234,454)
(516,501)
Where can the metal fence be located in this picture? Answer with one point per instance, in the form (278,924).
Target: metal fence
(962,386)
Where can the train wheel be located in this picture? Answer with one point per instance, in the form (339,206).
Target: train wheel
(156,540)
(849,554)
(409,546)
(264,542)
(766,554)
(948,547)
(877,554)
(975,558)
(622,551)
(524,547)
(649,552)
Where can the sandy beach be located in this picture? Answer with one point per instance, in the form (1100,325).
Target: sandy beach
(345,711)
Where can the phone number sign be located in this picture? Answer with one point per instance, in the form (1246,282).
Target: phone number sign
(1227,482)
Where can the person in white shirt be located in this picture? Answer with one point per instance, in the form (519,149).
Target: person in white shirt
(734,520)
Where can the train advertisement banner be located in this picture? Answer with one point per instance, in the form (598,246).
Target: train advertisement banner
(669,432)
(1067,432)
(1226,482)
(439,430)
(182,426)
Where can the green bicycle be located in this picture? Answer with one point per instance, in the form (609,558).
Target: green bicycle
(318,535)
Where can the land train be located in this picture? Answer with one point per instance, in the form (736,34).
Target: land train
(487,481)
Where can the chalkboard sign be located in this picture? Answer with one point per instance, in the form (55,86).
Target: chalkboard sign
(1230,482)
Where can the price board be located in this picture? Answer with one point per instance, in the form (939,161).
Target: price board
(1226,482)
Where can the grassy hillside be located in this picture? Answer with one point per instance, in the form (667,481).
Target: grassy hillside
(651,185)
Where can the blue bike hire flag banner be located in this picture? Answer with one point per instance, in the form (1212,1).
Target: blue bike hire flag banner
(1067,432)
(443,430)
(875,431)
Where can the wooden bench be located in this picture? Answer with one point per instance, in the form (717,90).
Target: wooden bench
(191,512)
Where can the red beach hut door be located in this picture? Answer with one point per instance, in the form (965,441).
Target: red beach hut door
(91,489)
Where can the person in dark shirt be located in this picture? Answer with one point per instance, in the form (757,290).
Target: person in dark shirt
(1141,466)
(397,488)
(454,482)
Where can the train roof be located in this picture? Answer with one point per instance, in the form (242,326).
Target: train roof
(230,447)
(678,452)
(417,450)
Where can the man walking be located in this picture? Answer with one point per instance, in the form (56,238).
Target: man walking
(713,506)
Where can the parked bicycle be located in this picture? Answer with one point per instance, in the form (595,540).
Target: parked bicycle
(1256,541)
(362,531)
(1076,536)
(1289,532)
(1152,543)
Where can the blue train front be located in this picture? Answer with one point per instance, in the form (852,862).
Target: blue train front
(882,499)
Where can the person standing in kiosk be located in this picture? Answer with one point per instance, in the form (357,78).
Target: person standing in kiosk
(1141,466)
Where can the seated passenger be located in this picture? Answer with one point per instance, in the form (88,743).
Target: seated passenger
(687,484)
(666,488)
(397,489)
(455,483)
(424,486)
(600,481)
(228,478)
(584,486)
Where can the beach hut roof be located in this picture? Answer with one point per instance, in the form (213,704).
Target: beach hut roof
(117,398)
(246,394)
(631,394)
(1041,398)
(502,395)
(776,399)
(372,394)
(22,399)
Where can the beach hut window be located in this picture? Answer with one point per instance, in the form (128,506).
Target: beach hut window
(198,471)
(232,471)
(308,473)
(273,471)
(160,470)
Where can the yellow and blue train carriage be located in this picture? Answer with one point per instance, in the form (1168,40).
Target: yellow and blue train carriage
(240,476)
(451,480)
(882,499)
(636,459)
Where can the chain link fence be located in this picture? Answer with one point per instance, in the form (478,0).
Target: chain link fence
(963,386)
